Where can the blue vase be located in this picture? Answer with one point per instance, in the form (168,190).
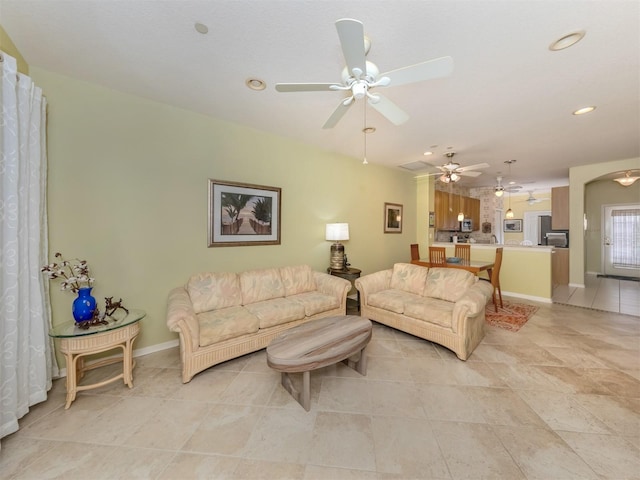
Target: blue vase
(83,306)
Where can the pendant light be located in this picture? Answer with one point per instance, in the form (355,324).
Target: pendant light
(509,213)
(627,180)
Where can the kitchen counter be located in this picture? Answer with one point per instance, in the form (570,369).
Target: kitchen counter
(525,271)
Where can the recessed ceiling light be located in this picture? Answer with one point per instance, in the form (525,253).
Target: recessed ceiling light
(201,28)
(256,84)
(582,111)
(427,153)
(369,129)
(567,41)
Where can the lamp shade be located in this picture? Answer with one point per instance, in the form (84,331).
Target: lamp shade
(337,231)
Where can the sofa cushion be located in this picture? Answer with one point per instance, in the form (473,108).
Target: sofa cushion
(448,283)
(276,311)
(315,302)
(392,300)
(297,279)
(260,285)
(210,291)
(430,310)
(225,323)
(409,278)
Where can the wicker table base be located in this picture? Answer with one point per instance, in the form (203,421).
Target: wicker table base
(77,344)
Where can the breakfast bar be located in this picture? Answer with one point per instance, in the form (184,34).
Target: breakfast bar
(525,270)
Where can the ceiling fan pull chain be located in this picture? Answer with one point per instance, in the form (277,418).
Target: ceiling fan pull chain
(364,132)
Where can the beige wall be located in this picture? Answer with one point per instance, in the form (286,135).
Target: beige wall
(128,192)
(519,206)
(597,194)
(578,178)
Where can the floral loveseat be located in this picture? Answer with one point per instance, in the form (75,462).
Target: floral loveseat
(443,305)
(220,316)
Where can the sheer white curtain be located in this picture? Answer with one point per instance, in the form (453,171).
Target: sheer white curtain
(27,361)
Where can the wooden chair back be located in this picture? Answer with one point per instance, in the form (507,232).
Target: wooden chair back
(495,278)
(437,257)
(415,251)
(463,251)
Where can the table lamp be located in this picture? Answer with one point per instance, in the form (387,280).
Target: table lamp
(336,232)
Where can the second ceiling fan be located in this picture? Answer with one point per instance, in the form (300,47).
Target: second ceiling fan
(360,76)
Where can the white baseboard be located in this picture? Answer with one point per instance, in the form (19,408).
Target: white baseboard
(577,285)
(156,348)
(137,353)
(527,297)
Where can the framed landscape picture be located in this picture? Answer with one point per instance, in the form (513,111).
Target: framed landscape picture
(242,214)
(392,218)
(514,225)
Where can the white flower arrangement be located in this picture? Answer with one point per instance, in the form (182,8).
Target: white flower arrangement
(74,274)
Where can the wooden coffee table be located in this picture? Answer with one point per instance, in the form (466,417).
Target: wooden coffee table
(318,344)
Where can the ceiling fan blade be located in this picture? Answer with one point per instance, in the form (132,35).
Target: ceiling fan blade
(351,33)
(390,110)
(436,68)
(465,173)
(303,87)
(477,166)
(337,114)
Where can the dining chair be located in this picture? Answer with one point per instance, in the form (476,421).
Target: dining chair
(415,252)
(437,257)
(495,279)
(463,251)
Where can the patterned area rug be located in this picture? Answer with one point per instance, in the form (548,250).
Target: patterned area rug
(512,317)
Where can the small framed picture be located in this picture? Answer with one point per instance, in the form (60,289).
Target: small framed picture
(514,225)
(392,218)
(432,219)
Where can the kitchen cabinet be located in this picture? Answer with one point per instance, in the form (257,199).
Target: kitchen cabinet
(472,211)
(448,206)
(560,208)
(560,266)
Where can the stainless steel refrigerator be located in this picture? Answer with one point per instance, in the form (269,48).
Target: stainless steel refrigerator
(544,227)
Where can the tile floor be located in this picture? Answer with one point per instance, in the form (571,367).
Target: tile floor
(560,399)
(608,294)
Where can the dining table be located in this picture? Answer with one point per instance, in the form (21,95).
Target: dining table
(473,266)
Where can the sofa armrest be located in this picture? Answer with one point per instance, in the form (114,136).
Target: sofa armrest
(333,286)
(372,283)
(471,304)
(181,318)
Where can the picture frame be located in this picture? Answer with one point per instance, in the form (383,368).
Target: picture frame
(432,219)
(392,218)
(242,214)
(513,226)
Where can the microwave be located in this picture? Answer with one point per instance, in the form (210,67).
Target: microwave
(466,225)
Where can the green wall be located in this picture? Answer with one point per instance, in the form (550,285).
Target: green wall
(7,45)
(127,192)
(579,177)
(597,194)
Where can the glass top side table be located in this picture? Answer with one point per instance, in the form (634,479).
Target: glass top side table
(77,343)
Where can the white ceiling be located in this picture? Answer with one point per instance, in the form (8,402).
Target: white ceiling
(509,97)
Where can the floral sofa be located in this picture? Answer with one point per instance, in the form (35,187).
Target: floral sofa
(443,305)
(220,316)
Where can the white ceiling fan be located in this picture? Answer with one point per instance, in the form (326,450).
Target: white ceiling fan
(533,200)
(452,171)
(360,76)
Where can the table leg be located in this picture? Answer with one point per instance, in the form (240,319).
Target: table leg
(72,373)
(306,390)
